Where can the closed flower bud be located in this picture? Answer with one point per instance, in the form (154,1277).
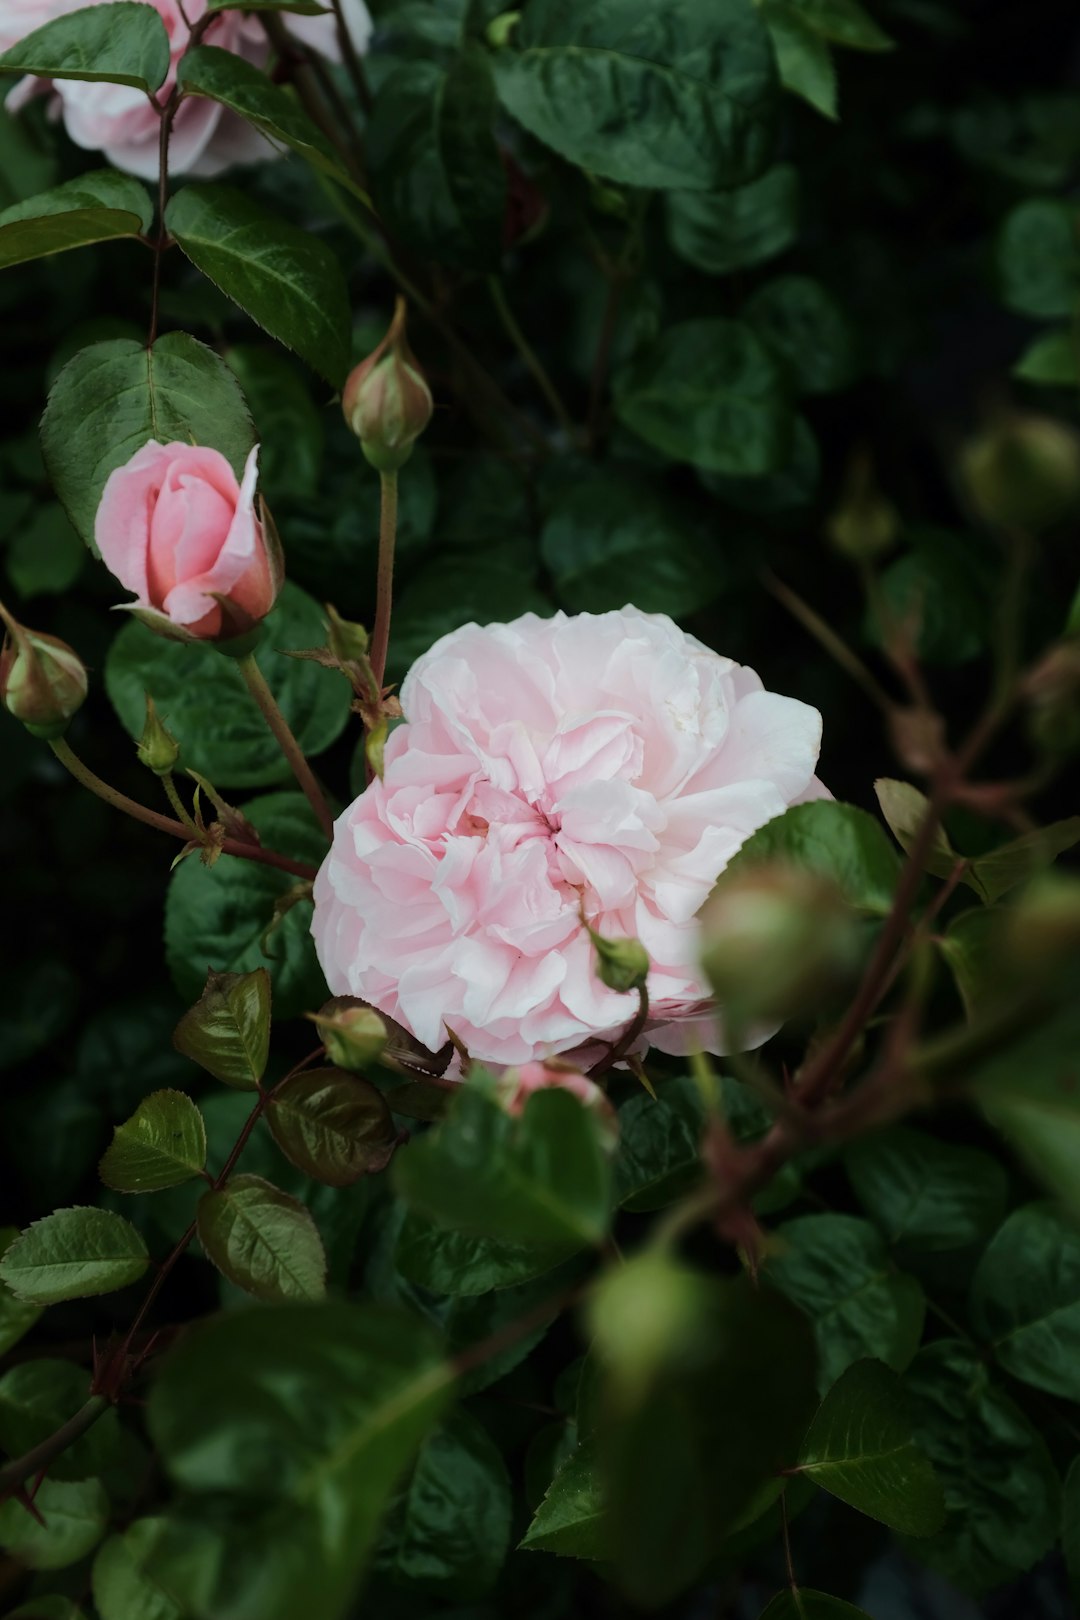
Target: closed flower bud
(864,525)
(43,681)
(386,401)
(1023,473)
(1041,932)
(775,940)
(354,1035)
(157,748)
(621,964)
(1053,694)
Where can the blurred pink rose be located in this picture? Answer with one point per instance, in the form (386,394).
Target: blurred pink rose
(118,120)
(607,762)
(176,528)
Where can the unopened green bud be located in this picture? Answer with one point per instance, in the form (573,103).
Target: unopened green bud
(386,401)
(864,525)
(621,964)
(500,29)
(776,939)
(348,640)
(354,1035)
(1053,693)
(43,681)
(1041,932)
(157,748)
(1023,473)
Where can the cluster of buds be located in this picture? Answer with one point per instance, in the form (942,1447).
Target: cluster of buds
(43,681)
(386,401)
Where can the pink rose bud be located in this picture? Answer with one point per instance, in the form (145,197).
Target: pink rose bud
(387,403)
(516,1087)
(42,680)
(176,528)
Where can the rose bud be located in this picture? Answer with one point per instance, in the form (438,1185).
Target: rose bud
(354,1035)
(1052,690)
(1023,473)
(175,527)
(864,524)
(386,402)
(157,748)
(43,681)
(1041,932)
(776,939)
(621,964)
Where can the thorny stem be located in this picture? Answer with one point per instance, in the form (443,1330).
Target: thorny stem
(353,65)
(256,683)
(34,1462)
(627,1038)
(532,360)
(384,590)
(167,113)
(141,812)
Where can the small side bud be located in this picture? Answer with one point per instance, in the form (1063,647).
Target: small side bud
(621,964)
(1023,473)
(157,748)
(1052,690)
(499,31)
(775,940)
(387,403)
(348,640)
(864,524)
(354,1036)
(43,681)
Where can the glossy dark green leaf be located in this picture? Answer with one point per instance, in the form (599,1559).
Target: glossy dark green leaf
(678,96)
(449,1262)
(927,1196)
(112,397)
(73,1253)
(332,1125)
(808,331)
(223,76)
(1038,258)
(121,42)
(122,1588)
(969,945)
(285,278)
(46,556)
(289,1429)
(288,423)
(16,1316)
(208,708)
(1025,1299)
(50,1606)
(262,1239)
(448,1530)
(227,1032)
(452,591)
(36,1398)
(659,1153)
(789,488)
(836,840)
(572,1519)
(220,915)
(941,589)
(96,207)
(609,528)
(723,231)
(71,1519)
(844,22)
(806,1604)
(708,392)
(803,56)
(163,1144)
(439,181)
(860,1448)
(837,1269)
(989,1458)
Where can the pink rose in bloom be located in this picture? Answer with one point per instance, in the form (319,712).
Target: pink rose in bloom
(176,528)
(606,762)
(118,119)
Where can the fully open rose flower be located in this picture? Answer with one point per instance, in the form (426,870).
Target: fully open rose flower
(118,119)
(601,764)
(176,528)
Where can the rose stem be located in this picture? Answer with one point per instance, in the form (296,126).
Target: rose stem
(530,357)
(384,592)
(120,801)
(256,684)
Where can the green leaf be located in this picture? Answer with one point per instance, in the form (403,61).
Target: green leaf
(836,840)
(451,591)
(607,528)
(224,77)
(449,1529)
(438,177)
(1038,258)
(16,1317)
(122,1588)
(806,1604)
(803,57)
(262,1240)
(941,591)
(807,330)
(227,1032)
(332,1125)
(905,808)
(122,42)
(163,1144)
(789,488)
(988,1458)
(286,279)
(860,1448)
(291,1427)
(723,231)
(836,1268)
(679,96)
(114,396)
(1020,859)
(45,556)
(572,1519)
(969,945)
(220,915)
(73,1518)
(707,1387)
(659,1154)
(96,207)
(1050,360)
(1025,1299)
(71,1254)
(708,392)
(448,1262)
(843,22)
(927,1196)
(288,423)
(48,1607)
(1070,1528)
(209,709)
(539,1178)
(36,1398)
